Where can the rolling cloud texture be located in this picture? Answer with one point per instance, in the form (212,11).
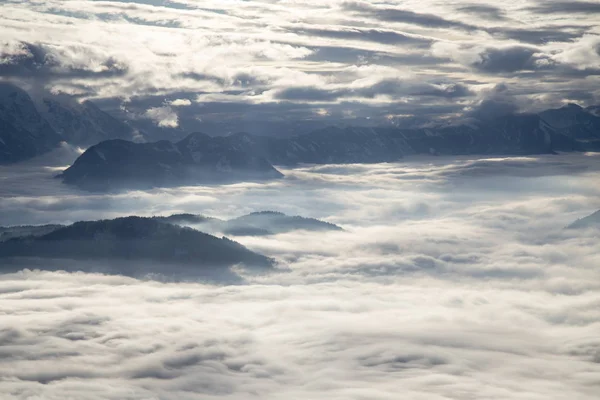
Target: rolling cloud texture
(453,278)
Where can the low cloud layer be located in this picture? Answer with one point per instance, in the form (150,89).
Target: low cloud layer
(453,278)
(246,65)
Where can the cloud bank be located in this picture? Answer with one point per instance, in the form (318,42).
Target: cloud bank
(454,278)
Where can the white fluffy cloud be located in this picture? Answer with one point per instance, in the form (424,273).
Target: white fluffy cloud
(97,337)
(181,103)
(164,116)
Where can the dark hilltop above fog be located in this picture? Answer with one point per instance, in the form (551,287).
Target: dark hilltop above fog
(275,222)
(260,223)
(139,245)
(133,239)
(197,159)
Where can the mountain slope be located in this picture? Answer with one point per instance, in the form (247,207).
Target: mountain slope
(82,124)
(29,127)
(134,238)
(118,164)
(260,223)
(23,131)
(115,164)
(330,146)
(200,158)
(517,134)
(594,110)
(270,222)
(581,126)
(219,156)
(591,221)
(27,131)
(11,232)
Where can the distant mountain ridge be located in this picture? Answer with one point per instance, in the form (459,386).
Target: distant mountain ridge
(591,221)
(29,129)
(11,232)
(577,123)
(522,134)
(261,223)
(200,158)
(138,246)
(258,223)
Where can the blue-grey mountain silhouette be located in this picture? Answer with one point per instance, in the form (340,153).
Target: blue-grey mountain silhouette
(260,223)
(197,159)
(591,221)
(135,241)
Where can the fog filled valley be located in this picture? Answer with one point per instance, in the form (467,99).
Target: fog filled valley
(299,200)
(450,278)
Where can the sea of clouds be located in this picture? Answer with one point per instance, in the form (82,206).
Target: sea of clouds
(454,278)
(260,65)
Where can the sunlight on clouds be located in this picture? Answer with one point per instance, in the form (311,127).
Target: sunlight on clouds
(453,277)
(181,103)
(249,51)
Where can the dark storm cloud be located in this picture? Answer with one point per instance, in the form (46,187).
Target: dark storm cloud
(197,76)
(311,94)
(566,7)
(540,35)
(245,79)
(576,73)
(395,87)
(581,95)
(390,87)
(494,107)
(406,16)
(157,3)
(484,11)
(341,54)
(524,62)
(449,91)
(558,73)
(372,35)
(114,17)
(495,103)
(511,59)
(219,118)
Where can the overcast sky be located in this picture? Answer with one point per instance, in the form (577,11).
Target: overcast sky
(281,60)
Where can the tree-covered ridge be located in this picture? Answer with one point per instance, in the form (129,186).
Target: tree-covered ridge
(260,223)
(134,238)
